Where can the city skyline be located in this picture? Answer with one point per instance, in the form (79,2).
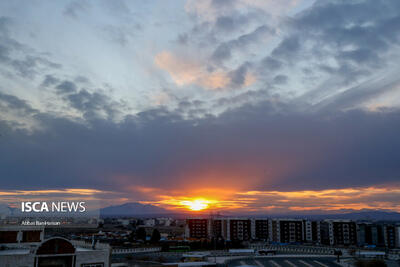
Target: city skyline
(242,106)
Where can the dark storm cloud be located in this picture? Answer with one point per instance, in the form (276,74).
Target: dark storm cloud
(282,148)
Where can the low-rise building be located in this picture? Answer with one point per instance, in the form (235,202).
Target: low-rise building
(22,247)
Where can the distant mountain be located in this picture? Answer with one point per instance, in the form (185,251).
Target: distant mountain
(370,215)
(132,209)
(362,215)
(140,210)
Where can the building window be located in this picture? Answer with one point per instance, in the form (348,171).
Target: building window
(93,265)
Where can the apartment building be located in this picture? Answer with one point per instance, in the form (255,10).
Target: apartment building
(326,232)
(338,232)
(198,228)
(260,229)
(239,229)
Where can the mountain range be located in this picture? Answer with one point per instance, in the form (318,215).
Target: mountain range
(137,209)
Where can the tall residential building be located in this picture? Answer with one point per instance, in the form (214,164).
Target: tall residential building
(291,231)
(198,228)
(226,228)
(239,229)
(259,229)
(286,231)
(397,232)
(316,232)
(338,232)
(274,232)
(390,236)
(326,232)
(370,234)
(220,228)
(312,231)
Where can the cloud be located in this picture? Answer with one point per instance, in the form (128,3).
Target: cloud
(78,98)
(346,33)
(93,105)
(288,48)
(49,80)
(326,201)
(65,87)
(271,64)
(18,57)
(121,35)
(252,147)
(224,50)
(73,8)
(212,10)
(280,79)
(187,72)
(363,93)
(10,103)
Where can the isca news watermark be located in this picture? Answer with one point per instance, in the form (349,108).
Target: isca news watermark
(59,206)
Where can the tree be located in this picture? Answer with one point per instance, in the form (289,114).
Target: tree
(155,237)
(141,234)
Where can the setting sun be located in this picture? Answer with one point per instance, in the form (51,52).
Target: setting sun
(196,204)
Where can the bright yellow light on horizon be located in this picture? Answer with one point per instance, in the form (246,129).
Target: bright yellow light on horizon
(196,204)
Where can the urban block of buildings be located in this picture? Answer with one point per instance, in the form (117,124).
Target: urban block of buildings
(296,231)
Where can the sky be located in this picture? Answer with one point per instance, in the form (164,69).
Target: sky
(264,106)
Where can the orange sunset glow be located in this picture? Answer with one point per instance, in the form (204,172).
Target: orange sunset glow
(334,200)
(196,204)
(337,200)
